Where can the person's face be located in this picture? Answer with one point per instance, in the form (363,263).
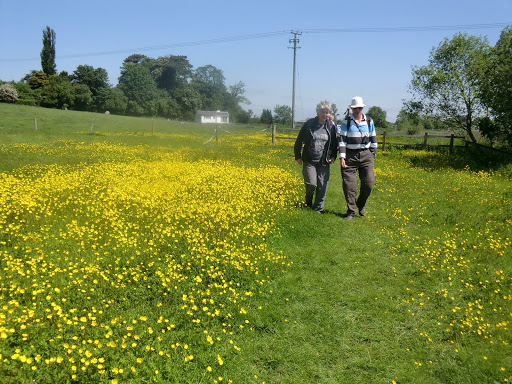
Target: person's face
(323,113)
(357,111)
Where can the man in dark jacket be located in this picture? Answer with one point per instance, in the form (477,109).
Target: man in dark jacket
(315,149)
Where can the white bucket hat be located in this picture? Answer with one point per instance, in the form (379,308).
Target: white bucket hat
(357,101)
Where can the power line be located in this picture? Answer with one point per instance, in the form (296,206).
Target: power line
(272,34)
(164,46)
(410,29)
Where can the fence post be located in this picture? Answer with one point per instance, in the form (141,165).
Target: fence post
(384,141)
(35,123)
(153,126)
(92,125)
(217,134)
(273,134)
(451,143)
(425,140)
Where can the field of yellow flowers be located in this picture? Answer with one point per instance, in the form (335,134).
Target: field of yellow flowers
(129,268)
(132,256)
(449,242)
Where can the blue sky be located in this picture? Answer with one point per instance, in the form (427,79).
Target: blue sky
(346,48)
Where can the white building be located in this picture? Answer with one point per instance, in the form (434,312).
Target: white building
(216,117)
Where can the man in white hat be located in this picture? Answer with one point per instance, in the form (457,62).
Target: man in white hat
(358,148)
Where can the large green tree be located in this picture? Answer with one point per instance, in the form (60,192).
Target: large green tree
(82,99)
(379,116)
(283,114)
(139,87)
(95,79)
(448,87)
(48,52)
(172,94)
(36,79)
(236,96)
(266,116)
(189,101)
(167,106)
(170,72)
(497,90)
(208,81)
(113,100)
(57,93)
(233,97)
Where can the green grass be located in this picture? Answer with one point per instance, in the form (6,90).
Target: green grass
(375,300)
(418,291)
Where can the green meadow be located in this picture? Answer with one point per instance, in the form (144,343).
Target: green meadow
(135,250)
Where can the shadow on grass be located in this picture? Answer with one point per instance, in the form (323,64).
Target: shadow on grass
(335,213)
(303,206)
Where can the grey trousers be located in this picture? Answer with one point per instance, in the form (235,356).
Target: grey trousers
(358,162)
(316,178)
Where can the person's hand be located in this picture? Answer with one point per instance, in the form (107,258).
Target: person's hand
(342,162)
(299,161)
(331,160)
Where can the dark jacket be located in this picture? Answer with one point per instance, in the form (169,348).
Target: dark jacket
(306,137)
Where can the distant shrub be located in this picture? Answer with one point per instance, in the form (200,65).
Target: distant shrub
(410,127)
(8,94)
(414,129)
(428,124)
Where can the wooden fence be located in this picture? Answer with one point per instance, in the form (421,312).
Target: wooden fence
(386,137)
(273,128)
(423,145)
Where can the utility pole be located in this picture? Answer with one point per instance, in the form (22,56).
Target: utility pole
(294,41)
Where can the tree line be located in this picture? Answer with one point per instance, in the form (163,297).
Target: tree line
(167,86)
(465,87)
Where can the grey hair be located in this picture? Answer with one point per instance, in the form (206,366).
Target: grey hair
(323,105)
